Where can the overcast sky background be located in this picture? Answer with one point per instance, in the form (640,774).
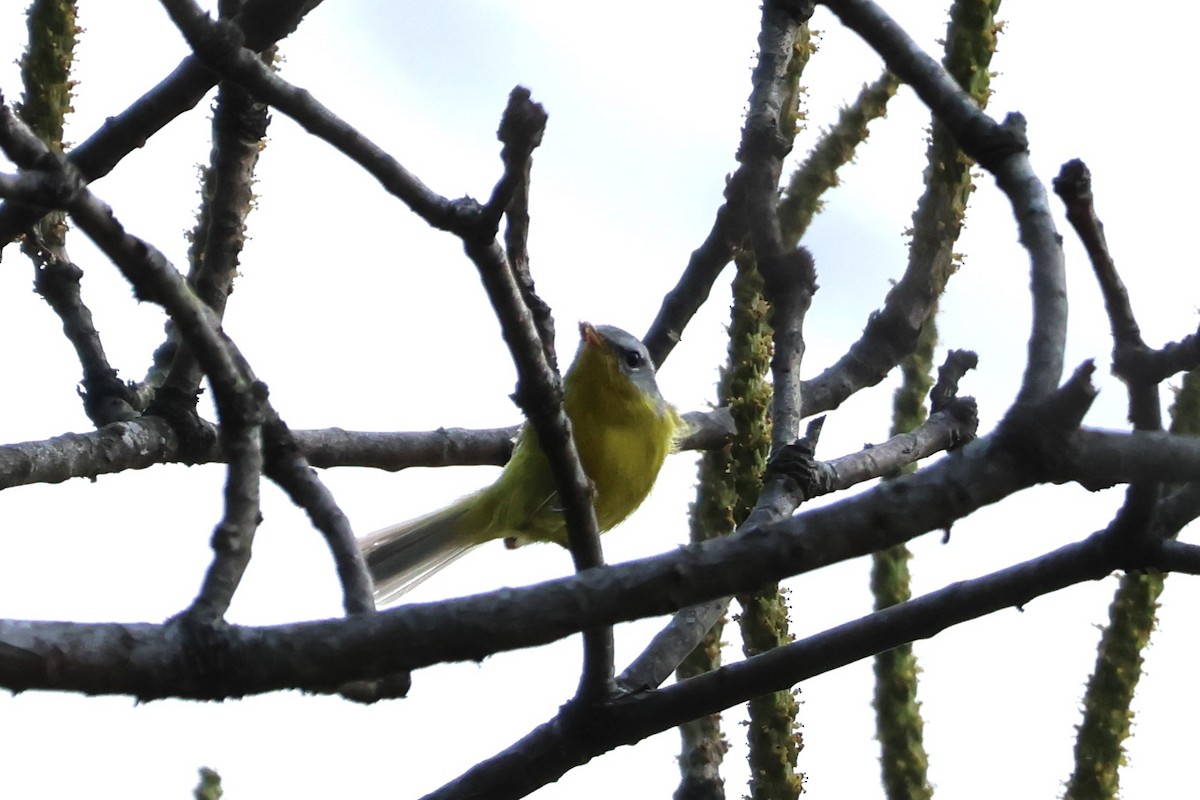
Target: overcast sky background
(357,315)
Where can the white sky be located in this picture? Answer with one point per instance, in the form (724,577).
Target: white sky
(357,316)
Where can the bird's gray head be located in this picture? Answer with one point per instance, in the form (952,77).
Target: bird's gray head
(631,356)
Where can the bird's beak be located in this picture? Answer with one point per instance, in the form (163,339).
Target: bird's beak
(589,334)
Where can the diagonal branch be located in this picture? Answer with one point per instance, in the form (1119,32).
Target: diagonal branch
(1003,151)
(943,431)
(220,44)
(539,386)
(240,398)
(46,76)
(552,749)
(145,660)
(264,21)
(239,127)
(223,47)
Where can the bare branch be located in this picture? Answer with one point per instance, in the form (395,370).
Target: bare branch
(1003,151)
(239,127)
(539,386)
(240,399)
(1074,186)
(130,659)
(942,431)
(147,441)
(264,21)
(692,290)
(46,99)
(57,279)
(221,45)
(670,646)
(287,467)
(521,132)
(555,747)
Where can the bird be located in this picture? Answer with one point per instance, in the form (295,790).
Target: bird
(623,431)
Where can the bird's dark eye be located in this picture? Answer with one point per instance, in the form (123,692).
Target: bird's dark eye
(634,359)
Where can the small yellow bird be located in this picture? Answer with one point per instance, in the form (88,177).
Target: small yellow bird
(623,429)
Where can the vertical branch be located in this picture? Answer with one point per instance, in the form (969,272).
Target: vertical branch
(801,199)
(787,284)
(898,723)
(774,745)
(242,440)
(46,75)
(1003,150)
(703,745)
(818,172)
(1100,737)
(784,277)
(937,223)
(46,69)
(938,219)
(516,248)
(1074,185)
(1099,744)
(766,139)
(239,128)
(729,481)
(525,324)
(1100,741)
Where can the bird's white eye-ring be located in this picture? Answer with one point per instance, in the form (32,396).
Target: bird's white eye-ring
(634,359)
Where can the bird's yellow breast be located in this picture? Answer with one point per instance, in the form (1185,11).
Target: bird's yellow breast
(622,447)
(623,435)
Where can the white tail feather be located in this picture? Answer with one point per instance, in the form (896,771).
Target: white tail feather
(402,556)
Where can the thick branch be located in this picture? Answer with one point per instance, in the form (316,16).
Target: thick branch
(144,659)
(552,749)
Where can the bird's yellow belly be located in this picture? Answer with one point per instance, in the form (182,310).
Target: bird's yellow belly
(621,462)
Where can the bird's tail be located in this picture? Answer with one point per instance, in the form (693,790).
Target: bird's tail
(402,556)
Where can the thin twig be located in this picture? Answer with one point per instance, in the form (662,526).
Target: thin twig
(1074,186)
